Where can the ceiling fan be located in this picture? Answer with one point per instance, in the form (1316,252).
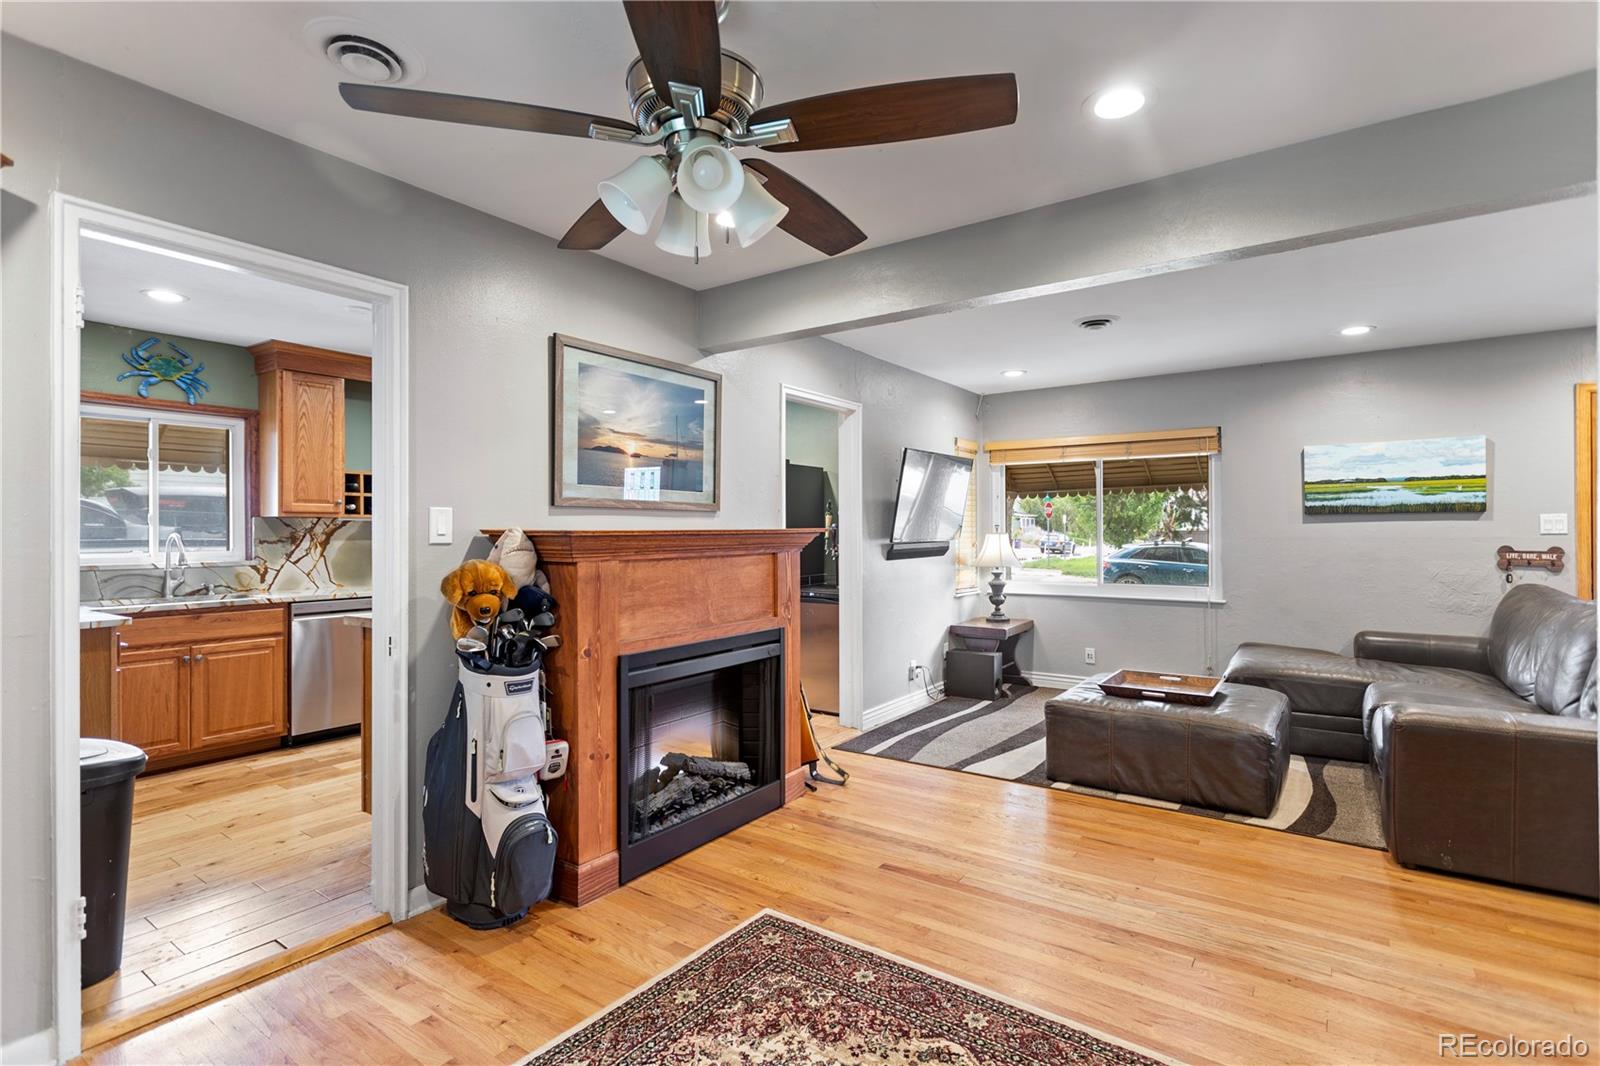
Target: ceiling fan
(692,101)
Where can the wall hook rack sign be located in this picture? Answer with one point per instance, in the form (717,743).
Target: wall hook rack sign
(1551,559)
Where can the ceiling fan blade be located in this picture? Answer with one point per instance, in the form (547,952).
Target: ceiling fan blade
(678,41)
(903,111)
(474,110)
(811,218)
(594,229)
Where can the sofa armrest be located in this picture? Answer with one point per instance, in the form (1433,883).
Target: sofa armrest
(1496,794)
(1425,649)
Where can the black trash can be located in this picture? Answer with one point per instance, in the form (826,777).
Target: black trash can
(106,769)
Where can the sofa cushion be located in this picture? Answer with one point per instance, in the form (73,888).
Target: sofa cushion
(1325,682)
(1541,646)
(1489,695)
(1591,692)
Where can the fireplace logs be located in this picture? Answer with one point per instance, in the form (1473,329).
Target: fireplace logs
(689,786)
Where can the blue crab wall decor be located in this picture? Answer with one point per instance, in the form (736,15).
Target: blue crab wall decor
(154,369)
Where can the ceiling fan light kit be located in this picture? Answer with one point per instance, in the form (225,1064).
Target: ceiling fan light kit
(684,231)
(710,178)
(670,89)
(756,213)
(635,195)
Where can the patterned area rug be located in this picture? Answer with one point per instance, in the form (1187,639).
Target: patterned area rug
(1327,798)
(778,992)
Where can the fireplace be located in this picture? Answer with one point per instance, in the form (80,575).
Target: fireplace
(700,737)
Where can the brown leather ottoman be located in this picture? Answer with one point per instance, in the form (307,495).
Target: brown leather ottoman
(1228,756)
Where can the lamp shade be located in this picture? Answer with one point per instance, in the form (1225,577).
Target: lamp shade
(996,552)
(684,231)
(635,195)
(756,212)
(710,178)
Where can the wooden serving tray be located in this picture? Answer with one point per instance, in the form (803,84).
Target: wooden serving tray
(1194,689)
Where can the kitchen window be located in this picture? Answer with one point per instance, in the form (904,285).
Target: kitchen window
(1131,516)
(145,474)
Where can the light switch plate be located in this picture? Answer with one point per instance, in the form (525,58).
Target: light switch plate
(440,521)
(1553,524)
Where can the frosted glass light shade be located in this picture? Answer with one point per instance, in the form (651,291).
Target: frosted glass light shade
(756,212)
(684,229)
(635,195)
(710,178)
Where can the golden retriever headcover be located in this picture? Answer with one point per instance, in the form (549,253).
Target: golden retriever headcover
(477,592)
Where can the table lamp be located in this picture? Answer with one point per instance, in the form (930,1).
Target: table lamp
(996,553)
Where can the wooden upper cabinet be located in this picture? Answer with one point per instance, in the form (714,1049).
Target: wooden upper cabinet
(302,426)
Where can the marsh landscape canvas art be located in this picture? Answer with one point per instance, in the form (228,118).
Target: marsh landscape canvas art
(1437,474)
(633,431)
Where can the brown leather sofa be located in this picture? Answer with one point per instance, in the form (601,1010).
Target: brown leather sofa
(1483,748)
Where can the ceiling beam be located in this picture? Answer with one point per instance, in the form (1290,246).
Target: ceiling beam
(1513,150)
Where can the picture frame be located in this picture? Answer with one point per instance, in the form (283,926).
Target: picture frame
(1430,475)
(632,432)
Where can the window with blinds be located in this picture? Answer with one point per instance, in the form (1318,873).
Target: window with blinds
(144,475)
(967,541)
(1124,513)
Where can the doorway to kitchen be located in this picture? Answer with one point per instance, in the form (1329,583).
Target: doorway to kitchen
(228,614)
(821,446)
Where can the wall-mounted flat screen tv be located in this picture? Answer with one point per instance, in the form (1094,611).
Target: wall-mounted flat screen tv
(930,503)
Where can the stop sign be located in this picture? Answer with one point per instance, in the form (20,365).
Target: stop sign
(1049,509)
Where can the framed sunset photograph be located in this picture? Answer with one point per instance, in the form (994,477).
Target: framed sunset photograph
(632,431)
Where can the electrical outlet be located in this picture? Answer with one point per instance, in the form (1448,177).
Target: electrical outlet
(1088,656)
(911,671)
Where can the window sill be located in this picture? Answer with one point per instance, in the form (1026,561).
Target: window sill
(1212,597)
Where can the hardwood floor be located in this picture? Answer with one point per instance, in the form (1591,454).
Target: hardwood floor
(1208,941)
(235,866)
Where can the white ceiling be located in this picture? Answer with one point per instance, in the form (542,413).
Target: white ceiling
(1228,79)
(224,304)
(1519,271)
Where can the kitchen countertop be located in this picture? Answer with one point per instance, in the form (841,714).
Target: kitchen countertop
(90,618)
(231,599)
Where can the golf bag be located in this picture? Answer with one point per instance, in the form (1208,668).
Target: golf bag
(487,846)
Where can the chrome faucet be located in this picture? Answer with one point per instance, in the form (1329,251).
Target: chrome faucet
(174,574)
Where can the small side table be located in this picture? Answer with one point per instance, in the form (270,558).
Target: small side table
(980,634)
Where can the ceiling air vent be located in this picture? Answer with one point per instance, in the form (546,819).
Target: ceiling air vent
(1096,321)
(364,58)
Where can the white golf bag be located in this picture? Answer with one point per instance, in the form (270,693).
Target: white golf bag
(487,846)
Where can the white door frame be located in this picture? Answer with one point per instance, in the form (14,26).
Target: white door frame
(852,516)
(391,742)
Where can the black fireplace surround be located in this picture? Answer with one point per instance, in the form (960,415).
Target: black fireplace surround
(700,744)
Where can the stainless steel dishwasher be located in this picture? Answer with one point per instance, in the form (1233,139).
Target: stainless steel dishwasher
(325,667)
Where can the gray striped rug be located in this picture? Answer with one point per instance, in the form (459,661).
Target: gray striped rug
(1326,798)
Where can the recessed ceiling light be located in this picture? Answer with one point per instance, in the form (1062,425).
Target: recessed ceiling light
(1356,331)
(609,411)
(1012,373)
(165,296)
(1118,102)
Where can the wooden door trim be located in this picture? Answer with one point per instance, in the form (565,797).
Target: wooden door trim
(1584,411)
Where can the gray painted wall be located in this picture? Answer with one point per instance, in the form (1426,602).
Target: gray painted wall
(909,601)
(1317,581)
(485,296)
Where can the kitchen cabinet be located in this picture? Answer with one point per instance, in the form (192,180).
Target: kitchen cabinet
(193,684)
(153,697)
(302,447)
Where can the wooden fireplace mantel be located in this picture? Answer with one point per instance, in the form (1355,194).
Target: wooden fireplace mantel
(620,592)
